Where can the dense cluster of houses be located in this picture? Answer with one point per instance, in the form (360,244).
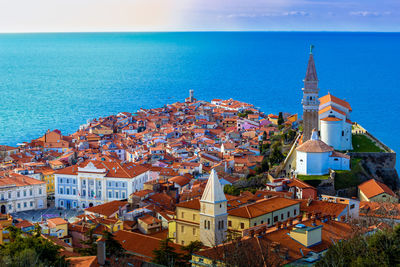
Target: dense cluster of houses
(160,173)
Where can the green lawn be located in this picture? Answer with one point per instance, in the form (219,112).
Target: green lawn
(346,179)
(362,143)
(313,180)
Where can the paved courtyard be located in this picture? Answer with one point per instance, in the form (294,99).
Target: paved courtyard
(37,215)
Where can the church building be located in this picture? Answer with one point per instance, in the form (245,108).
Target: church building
(335,124)
(329,114)
(315,157)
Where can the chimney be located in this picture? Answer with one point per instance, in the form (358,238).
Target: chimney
(101,251)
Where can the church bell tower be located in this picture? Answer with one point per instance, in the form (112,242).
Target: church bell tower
(213,213)
(310,100)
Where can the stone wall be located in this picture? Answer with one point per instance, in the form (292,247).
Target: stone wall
(381,166)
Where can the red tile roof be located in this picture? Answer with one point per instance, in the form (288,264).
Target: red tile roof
(373,188)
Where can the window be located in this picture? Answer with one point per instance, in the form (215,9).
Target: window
(24,193)
(123,194)
(262,222)
(269,221)
(205,224)
(336,159)
(9,194)
(282,216)
(208,224)
(73,181)
(194,217)
(194,231)
(60,180)
(242,225)
(116,184)
(342,133)
(61,191)
(116,194)
(83,192)
(67,191)
(183,215)
(183,242)
(275,218)
(84,182)
(25,205)
(31,204)
(255,224)
(182,228)
(352,206)
(295,212)
(40,191)
(288,214)
(74,191)
(67,181)
(30,192)
(19,205)
(9,207)
(109,194)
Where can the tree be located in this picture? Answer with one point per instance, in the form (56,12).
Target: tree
(231,190)
(89,244)
(264,164)
(193,247)
(166,254)
(276,155)
(113,247)
(29,250)
(379,249)
(280,119)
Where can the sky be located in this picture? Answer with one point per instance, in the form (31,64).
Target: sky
(198,15)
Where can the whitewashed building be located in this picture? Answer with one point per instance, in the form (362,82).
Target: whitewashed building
(314,157)
(97,182)
(334,122)
(21,193)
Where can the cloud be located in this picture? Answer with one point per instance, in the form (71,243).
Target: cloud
(296,13)
(369,13)
(271,14)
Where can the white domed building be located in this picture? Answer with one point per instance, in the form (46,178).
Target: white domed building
(334,122)
(315,157)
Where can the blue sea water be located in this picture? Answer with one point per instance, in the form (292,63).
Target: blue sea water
(50,81)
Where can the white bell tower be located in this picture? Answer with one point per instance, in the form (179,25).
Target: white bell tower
(213,213)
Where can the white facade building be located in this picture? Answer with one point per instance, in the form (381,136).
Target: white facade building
(314,157)
(97,182)
(334,122)
(21,193)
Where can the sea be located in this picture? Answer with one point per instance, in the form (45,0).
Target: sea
(61,80)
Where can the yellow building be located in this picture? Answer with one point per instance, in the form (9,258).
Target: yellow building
(5,221)
(57,227)
(375,191)
(48,177)
(209,219)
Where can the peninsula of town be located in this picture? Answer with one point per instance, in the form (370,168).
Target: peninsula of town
(198,183)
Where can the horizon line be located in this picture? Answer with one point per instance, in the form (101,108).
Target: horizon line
(194,31)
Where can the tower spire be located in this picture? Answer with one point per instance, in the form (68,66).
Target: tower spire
(310,98)
(311,74)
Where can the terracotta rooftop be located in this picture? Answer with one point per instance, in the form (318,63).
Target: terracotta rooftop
(314,146)
(331,98)
(373,188)
(139,244)
(107,209)
(262,207)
